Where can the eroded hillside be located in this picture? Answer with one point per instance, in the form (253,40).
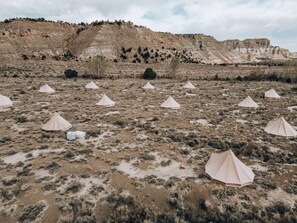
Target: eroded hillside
(125,42)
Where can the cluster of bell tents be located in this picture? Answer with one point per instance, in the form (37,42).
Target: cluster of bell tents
(224,167)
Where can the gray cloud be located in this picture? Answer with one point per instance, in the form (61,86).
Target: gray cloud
(228,19)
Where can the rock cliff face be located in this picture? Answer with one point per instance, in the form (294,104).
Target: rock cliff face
(258,49)
(23,38)
(125,42)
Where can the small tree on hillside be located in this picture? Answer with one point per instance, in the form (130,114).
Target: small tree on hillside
(98,65)
(174,66)
(291,70)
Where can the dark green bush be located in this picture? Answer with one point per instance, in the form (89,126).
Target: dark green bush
(239,78)
(21,119)
(70,73)
(146,156)
(117,199)
(32,212)
(24,57)
(266,184)
(73,187)
(218,144)
(291,188)
(149,74)
(278,207)
(120,123)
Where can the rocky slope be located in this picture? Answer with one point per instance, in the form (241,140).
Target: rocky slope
(125,42)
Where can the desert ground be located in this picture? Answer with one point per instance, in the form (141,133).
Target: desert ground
(140,162)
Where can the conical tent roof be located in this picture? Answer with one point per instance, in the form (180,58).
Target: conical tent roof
(46,89)
(56,123)
(189,85)
(271,94)
(248,103)
(170,103)
(280,127)
(91,85)
(228,169)
(5,101)
(148,86)
(105,101)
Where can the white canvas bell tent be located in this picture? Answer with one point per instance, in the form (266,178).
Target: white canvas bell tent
(148,86)
(91,85)
(248,103)
(189,85)
(105,101)
(56,123)
(170,103)
(280,127)
(225,167)
(5,101)
(46,89)
(271,94)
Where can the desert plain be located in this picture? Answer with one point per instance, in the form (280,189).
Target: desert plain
(140,162)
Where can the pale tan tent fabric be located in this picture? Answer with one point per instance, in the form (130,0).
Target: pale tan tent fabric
(248,103)
(271,94)
(189,85)
(280,127)
(5,101)
(170,103)
(228,169)
(105,101)
(46,89)
(91,85)
(148,86)
(56,123)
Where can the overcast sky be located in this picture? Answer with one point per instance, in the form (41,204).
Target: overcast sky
(223,19)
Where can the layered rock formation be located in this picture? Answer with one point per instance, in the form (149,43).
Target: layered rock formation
(125,42)
(258,49)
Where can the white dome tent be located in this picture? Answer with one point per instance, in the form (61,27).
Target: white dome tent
(105,101)
(46,89)
(56,123)
(280,127)
(91,85)
(248,103)
(271,94)
(170,103)
(5,101)
(225,167)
